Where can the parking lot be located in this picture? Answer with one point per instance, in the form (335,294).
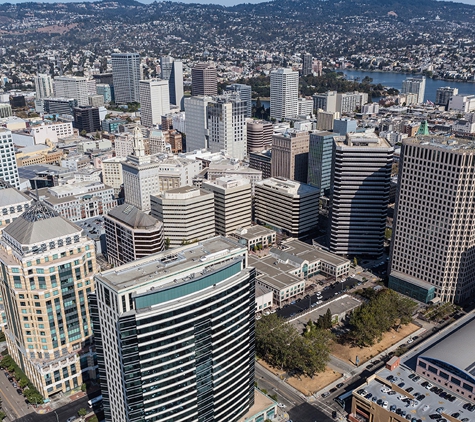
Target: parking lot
(327,292)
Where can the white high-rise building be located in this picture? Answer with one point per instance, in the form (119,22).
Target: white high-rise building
(196,124)
(245,92)
(72,87)
(172,71)
(227,125)
(140,175)
(284,93)
(8,165)
(154,101)
(126,76)
(415,85)
(43,86)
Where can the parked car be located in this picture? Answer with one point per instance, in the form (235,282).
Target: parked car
(325,394)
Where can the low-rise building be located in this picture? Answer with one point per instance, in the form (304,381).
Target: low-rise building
(79,201)
(12,204)
(255,236)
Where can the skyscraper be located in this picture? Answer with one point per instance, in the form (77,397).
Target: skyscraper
(290,155)
(284,93)
(48,267)
(361,175)
(245,93)
(226,123)
(443,94)
(172,71)
(72,87)
(8,165)
(154,101)
(175,335)
(433,250)
(307,64)
(320,155)
(204,79)
(43,86)
(259,135)
(87,118)
(415,85)
(140,175)
(196,123)
(126,76)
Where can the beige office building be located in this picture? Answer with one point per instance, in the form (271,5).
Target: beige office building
(48,267)
(288,206)
(131,234)
(433,243)
(232,203)
(187,214)
(259,135)
(290,155)
(112,173)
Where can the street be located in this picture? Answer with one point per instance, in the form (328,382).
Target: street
(60,415)
(13,403)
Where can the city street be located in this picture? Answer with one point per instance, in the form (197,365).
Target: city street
(13,403)
(59,415)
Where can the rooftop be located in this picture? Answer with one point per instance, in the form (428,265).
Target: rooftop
(254,231)
(133,217)
(161,269)
(288,187)
(310,253)
(11,196)
(39,224)
(261,403)
(443,142)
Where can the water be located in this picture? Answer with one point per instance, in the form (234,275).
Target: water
(394,80)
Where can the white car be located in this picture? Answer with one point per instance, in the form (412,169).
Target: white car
(385,390)
(385,404)
(426,408)
(281,405)
(410,340)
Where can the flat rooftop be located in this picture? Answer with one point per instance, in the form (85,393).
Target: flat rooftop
(273,272)
(289,187)
(417,409)
(443,142)
(261,403)
(161,267)
(310,253)
(254,231)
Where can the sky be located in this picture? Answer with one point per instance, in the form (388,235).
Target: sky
(222,2)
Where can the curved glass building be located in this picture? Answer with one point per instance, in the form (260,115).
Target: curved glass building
(175,335)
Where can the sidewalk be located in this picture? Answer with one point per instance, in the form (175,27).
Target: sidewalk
(64,400)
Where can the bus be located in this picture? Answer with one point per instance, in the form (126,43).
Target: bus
(95,401)
(342,399)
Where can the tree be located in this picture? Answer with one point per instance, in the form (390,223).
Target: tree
(98,135)
(328,320)
(83,387)
(355,261)
(167,243)
(83,132)
(82,412)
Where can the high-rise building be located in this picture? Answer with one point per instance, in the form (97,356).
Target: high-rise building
(106,91)
(305,107)
(433,250)
(172,71)
(8,165)
(204,79)
(325,101)
(344,126)
(415,85)
(187,214)
(320,156)
(361,177)
(232,203)
(318,67)
(87,118)
(245,92)
(126,76)
(307,62)
(326,119)
(154,101)
(5,110)
(284,93)
(140,175)
(72,87)
(96,100)
(48,267)
(348,102)
(112,173)
(43,86)
(175,335)
(259,135)
(227,125)
(261,161)
(287,206)
(443,94)
(196,123)
(59,105)
(290,155)
(131,234)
